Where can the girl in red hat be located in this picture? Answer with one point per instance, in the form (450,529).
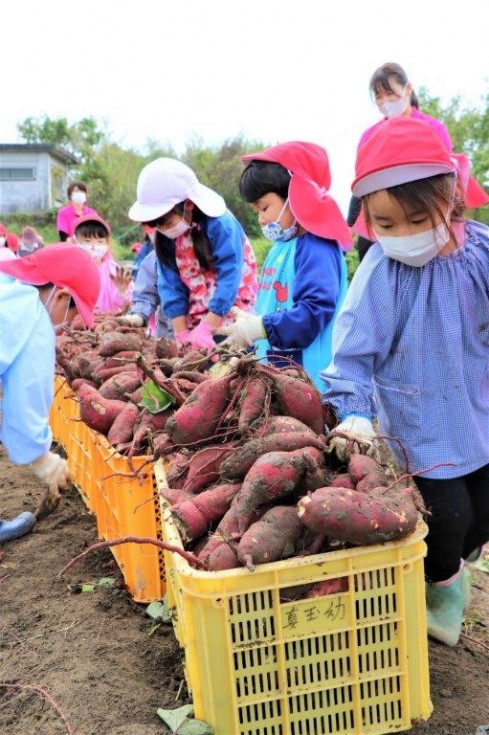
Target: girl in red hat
(303,279)
(394,96)
(411,347)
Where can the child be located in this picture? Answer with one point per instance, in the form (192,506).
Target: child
(303,279)
(38,292)
(146,309)
(30,241)
(68,215)
(413,336)
(92,233)
(5,252)
(205,261)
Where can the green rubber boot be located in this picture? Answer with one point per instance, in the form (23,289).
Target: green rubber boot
(445,606)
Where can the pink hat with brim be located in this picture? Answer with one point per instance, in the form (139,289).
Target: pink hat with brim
(401,149)
(309,197)
(92,218)
(65,266)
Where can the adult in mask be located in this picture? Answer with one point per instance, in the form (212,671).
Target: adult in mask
(77,207)
(38,294)
(410,345)
(303,279)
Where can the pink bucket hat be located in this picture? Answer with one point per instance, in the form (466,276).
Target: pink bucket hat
(309,198)
(166,182)
(65,266)
(402,149)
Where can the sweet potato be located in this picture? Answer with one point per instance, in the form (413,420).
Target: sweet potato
(98,412)
(204,467)
(281,425)
(197,514)
(329,587)
(253,402)
(174,495)
(273,476)
(223,557)
(112,342)
(358,518)
(176,469)
(120,386)
(198,417)
(300,400)
(227,530)
(341,479)
(122,429)
(275,536)
(242,459)
(366,473)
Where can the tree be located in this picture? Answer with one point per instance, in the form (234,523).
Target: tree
(469,130)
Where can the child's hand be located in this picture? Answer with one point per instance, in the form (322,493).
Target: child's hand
(121,278)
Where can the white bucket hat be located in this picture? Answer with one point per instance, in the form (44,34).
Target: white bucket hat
(165,182)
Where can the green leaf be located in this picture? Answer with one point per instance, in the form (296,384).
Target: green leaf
(159,611)
(195,727)
(154,398)
(106,582)
(174,718)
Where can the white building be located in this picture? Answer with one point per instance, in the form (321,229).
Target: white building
(33,177)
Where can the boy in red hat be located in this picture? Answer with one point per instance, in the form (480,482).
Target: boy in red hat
(38,292)
(411,346)
(303,279)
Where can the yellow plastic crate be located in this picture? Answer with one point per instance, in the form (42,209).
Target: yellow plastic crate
(124,505)
(351,663)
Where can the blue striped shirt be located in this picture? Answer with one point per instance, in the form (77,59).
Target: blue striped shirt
(412,346)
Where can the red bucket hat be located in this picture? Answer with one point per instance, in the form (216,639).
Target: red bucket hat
(309,198)
(402,149)
(65,266)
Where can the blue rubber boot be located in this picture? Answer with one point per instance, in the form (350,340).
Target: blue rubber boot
(445,605)
(17,527)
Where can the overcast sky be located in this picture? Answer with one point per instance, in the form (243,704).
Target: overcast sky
(270,70)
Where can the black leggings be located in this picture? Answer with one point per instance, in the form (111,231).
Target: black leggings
(459,520)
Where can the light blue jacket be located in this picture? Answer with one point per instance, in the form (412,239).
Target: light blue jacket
(27,355)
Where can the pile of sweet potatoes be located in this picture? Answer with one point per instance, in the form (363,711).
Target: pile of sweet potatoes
(107,368)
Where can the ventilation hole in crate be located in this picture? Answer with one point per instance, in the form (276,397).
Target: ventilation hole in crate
(263,718)
(384,702)
(256,672)
(312,661)
(159,534)
(317,713)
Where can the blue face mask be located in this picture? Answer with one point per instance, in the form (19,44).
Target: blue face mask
(274,231)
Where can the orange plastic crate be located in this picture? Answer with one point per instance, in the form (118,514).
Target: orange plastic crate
(124,503)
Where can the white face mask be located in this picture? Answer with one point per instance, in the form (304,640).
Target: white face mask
(79,197)
(3,240)
(48,306)
(97,251)
(394,108)
(176,230)
(416,250)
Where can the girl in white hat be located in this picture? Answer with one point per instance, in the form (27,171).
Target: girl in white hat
(205,262)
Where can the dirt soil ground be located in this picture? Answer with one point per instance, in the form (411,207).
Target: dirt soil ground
(96,664)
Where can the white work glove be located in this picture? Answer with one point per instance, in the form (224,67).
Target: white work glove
(53,470)
(361,438)
(132,320)
(244,331)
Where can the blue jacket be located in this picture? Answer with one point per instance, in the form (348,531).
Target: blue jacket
(226,237)
(27,353)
